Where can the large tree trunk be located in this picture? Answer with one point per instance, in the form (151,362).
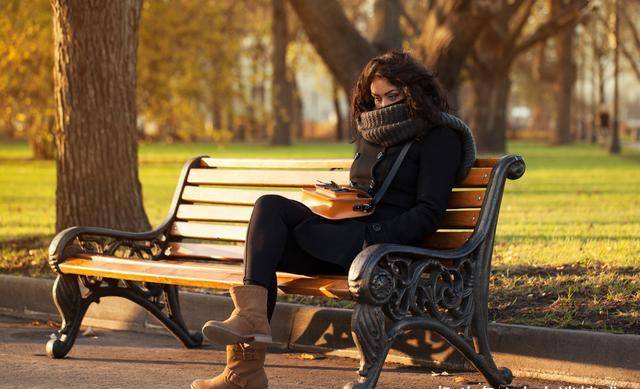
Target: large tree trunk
(443,45)
(491,92)
(281,89)
(297,109)
(385,28)
(447,39)
(95,82)
(335,38)
(566,77)
(341,125)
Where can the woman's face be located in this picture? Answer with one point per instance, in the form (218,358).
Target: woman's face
(385,93)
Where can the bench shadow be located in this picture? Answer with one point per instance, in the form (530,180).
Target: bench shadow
(326,330)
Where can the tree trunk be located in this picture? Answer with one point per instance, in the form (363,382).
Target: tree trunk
(96,137)
(491,92)
(335,38)
(566,77)
(341,126)
(443,46)
(614,146)
(216,114)
(385,28)
(296,108)
(281,91)
(41,138)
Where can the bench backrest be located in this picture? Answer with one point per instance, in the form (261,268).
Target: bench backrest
(216,197)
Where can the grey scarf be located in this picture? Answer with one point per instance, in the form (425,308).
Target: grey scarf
(390,125)
(393,124)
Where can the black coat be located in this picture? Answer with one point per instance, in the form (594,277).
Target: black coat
(411,208)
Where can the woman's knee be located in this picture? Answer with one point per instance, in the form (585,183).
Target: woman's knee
(270,202)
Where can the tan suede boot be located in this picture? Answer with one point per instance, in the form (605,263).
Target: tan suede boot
(244,370)
(248,322)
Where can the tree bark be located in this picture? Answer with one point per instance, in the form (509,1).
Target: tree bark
(491,91)
(341,125)
(281,89)
(566,77)
(447,39)
(335,38)
(96,137)
(443,46)
(615,147)
(296,109)
(385,28)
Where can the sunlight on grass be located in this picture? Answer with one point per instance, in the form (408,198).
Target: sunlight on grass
(574,203)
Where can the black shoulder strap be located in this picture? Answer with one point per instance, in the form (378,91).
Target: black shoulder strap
(391,174)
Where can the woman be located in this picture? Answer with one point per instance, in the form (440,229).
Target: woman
(395,100)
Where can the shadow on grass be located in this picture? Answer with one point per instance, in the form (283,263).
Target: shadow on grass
(26,256)
(596,296)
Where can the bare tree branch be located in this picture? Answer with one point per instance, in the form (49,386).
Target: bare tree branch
(411,21)
(521,17)
(571,15)
(344,50)
(636,41)
(632,61)
(633,28)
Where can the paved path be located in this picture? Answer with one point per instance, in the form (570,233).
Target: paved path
(118,359)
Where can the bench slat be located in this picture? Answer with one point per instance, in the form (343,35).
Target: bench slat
(221,252)
(466,199)
(443,240)
(233,195)
(460,219)
(231,213)
(270,178)
(235,213)
(209,231)
(486,162)
(341,163)
(236,196)
(198,274)
(477,177)
(277,163)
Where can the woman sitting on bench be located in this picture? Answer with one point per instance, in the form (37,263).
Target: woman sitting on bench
(396,100)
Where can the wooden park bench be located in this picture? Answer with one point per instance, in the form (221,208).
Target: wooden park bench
(440,285)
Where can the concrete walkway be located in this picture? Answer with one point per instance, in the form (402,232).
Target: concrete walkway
(120,359)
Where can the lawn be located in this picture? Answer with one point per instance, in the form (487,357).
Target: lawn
(567,243)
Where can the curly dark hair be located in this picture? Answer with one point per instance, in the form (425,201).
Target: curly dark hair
(424,95)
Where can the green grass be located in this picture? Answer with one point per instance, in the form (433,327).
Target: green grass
(574,204)
(568,234)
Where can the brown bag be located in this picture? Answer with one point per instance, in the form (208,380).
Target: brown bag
(335,202)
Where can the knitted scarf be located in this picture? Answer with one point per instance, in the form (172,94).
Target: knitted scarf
(392,125)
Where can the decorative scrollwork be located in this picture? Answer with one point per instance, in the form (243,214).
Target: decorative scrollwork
(424,287)
(123,248)
(382,284)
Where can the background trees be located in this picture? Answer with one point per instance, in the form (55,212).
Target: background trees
(26,85)
(224,70)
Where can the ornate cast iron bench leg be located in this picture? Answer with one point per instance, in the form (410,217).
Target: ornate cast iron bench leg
(162,301)
(72,307)
(418,293)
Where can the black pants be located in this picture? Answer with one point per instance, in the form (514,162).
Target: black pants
(271,246)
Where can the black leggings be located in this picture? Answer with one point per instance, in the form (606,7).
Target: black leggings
(271,246)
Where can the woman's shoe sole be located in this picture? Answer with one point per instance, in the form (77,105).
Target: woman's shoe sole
(223,336)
